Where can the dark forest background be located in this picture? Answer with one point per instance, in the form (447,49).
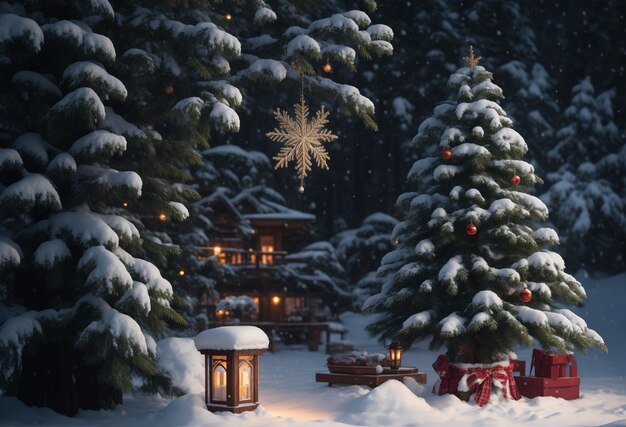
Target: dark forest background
(570,40)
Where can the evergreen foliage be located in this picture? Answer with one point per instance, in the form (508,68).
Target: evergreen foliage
(586,190)
(461,290)
(80,304)
(360,250)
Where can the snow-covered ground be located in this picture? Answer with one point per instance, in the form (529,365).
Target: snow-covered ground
(290,396)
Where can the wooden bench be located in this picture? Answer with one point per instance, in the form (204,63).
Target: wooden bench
(367,375)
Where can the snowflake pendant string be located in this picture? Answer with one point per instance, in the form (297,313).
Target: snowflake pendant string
(302,139)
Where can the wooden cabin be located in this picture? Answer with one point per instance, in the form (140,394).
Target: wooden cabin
(253,236)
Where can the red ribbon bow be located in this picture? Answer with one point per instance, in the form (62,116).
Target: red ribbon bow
(479,380)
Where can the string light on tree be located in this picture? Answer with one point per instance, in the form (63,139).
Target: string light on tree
(125,205)
(169,89)
(327,68)
(181,272)
(228,16)
(446,153)
(162,216)
(302,138)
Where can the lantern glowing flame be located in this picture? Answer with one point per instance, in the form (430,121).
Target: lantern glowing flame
(395,355)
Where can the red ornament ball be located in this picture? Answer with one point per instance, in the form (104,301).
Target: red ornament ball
(446,154)
(471,229)
(515,180)
(525,295)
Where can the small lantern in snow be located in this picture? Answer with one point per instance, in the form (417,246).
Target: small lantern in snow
(231,367)
(395,355)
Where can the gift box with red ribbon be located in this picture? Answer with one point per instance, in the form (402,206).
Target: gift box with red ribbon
(551,376)
(463,380)
(551,365)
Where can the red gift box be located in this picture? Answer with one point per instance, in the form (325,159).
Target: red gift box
(565,387)
(550,365)
(551,376)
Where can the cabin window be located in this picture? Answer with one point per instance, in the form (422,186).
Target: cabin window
(267,245)
(294,306)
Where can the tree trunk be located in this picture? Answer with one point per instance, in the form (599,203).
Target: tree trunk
(46,378)
(94,395)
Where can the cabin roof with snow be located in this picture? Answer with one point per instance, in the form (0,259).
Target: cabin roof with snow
(232,338)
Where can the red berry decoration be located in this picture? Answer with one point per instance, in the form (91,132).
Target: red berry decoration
(525,295)
(471,229)
(446,154)
(515,180)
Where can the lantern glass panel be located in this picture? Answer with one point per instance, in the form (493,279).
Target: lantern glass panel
(246,376)
(218,385)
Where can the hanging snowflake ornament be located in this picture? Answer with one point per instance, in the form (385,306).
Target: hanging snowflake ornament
(302,139)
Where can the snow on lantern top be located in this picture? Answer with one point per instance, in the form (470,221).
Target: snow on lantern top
(232,338)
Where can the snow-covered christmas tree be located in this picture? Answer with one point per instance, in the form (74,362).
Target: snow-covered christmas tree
(472,270)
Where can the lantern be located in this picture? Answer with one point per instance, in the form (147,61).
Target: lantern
(231,367)
(395,355)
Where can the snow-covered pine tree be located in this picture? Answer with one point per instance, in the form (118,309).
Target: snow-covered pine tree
(79,305)
(282,40)
(586,189)
(532,105)
(174,61)
(360,251)
(471,241)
